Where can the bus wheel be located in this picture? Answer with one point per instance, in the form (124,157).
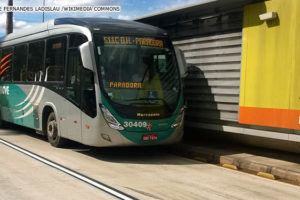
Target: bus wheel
(52,131)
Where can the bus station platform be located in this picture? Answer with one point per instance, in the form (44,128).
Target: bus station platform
(268,163)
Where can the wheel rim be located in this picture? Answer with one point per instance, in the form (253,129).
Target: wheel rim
(52,129)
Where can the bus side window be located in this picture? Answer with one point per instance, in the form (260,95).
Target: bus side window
(55,59)
(35,61)
(73,76)
(88,92)
(20,63)
(6,65)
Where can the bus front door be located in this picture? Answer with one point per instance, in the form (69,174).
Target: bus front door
(73,94)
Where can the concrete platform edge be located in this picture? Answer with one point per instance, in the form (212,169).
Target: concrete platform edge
(242,163)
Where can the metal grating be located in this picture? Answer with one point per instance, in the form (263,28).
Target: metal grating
(213,80)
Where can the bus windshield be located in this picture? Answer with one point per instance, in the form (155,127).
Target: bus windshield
(139,75)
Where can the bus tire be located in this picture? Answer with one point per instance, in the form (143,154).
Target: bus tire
(52,131)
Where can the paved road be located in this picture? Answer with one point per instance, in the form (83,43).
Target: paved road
(24,178)
(145,173)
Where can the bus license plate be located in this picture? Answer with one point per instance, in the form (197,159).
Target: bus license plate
(150,137)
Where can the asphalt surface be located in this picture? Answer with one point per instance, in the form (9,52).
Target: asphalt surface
(144,173)
(24,178)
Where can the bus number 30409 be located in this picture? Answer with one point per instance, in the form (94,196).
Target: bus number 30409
(136,124)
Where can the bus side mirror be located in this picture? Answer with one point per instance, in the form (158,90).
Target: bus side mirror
(86,52)
(181,62)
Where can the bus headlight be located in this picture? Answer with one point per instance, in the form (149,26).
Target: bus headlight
(111,120)
(178,119)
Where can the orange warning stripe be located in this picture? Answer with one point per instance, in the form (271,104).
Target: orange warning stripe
(5,57)
(282,118)
(3,65)
(4,70)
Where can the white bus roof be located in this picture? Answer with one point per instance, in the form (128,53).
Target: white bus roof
(83,25)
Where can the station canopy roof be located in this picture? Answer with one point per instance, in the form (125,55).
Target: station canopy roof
(201,8)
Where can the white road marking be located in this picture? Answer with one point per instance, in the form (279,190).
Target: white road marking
(96,184)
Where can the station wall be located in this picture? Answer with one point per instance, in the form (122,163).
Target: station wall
(270,87)
(240,66)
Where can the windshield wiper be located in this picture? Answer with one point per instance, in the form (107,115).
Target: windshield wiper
(137,101)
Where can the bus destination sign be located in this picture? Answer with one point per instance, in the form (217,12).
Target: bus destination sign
(126,40)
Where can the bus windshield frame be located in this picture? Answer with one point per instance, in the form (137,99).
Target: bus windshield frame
(138,75)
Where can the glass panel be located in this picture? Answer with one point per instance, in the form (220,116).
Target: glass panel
(20,62)
(35,61)
(76,40)
(88,93)
(139,75)
(73,76)
(55,59)
(6,64)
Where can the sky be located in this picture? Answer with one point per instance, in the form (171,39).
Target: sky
(129,9)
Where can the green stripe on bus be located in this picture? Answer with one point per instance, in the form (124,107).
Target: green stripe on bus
(10,96)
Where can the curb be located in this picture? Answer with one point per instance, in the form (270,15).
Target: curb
(240,162)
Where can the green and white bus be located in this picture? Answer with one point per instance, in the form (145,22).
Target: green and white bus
(100,82)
